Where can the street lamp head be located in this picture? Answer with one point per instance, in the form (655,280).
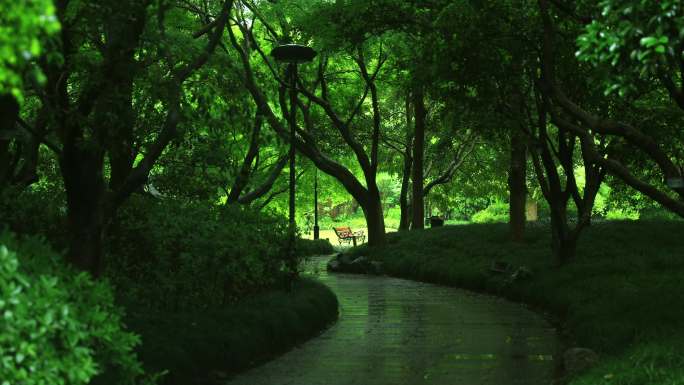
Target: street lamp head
(293,53)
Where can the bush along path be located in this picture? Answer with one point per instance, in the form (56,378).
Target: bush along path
(207,289)
(210,346)
(60,324)
(619,300)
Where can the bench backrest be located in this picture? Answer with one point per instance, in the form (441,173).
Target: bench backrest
(342,231)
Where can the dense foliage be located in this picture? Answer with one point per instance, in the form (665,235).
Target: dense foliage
(59,326)
(178,255)
(24,28)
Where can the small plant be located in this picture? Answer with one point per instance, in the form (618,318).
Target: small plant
(496,212)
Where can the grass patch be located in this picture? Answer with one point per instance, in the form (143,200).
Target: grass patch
(622,296)
(191,345)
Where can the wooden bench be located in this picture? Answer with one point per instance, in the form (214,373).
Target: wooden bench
(346,235)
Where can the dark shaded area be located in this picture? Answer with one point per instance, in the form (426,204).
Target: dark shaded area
(205,347)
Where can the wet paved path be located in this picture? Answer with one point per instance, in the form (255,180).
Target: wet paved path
(398,332)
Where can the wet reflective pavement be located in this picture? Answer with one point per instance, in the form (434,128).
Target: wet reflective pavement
(393,331)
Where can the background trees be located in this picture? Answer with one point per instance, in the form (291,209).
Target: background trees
(418,105)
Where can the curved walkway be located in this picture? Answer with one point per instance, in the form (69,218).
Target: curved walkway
(393,331)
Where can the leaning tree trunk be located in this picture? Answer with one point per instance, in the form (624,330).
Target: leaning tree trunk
(375,220)
(417,206)
(517,187)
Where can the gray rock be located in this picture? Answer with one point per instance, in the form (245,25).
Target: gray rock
(344,263)
(376,267)
(358,266)
(360,261)
(333,265)
(523,272)
(579,359)
(344,259)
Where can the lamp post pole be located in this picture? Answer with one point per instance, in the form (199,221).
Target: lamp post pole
(292,54)
(292,69)
(316,229)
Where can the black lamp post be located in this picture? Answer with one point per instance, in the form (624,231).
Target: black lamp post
(316,229)
(293,54)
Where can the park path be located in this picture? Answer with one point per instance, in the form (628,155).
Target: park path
(397,332)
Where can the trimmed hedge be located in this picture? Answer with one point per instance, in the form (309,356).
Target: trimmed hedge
(192,345)
(310,247)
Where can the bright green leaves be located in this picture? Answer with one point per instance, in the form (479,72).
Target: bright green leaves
(58,326)
(652,41)
(23,26)
(30,318)
(634,40)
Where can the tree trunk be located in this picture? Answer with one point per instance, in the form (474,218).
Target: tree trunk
(85,193)
(404,204)
(243,175)
(9,112)
(565,249)
(404,208)
(115,105)
(375,221)
(563,240)
(418,208)
(517,187)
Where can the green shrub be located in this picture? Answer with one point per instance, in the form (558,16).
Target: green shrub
(175,254)
(58,326)
(619,215)
(35,210)
(309,247)
(658,213)
(233,337)
(496,212)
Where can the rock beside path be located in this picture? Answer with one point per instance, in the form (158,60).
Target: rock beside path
(579,359)
(343,263)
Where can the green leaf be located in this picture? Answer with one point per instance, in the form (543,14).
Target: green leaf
(649,41)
